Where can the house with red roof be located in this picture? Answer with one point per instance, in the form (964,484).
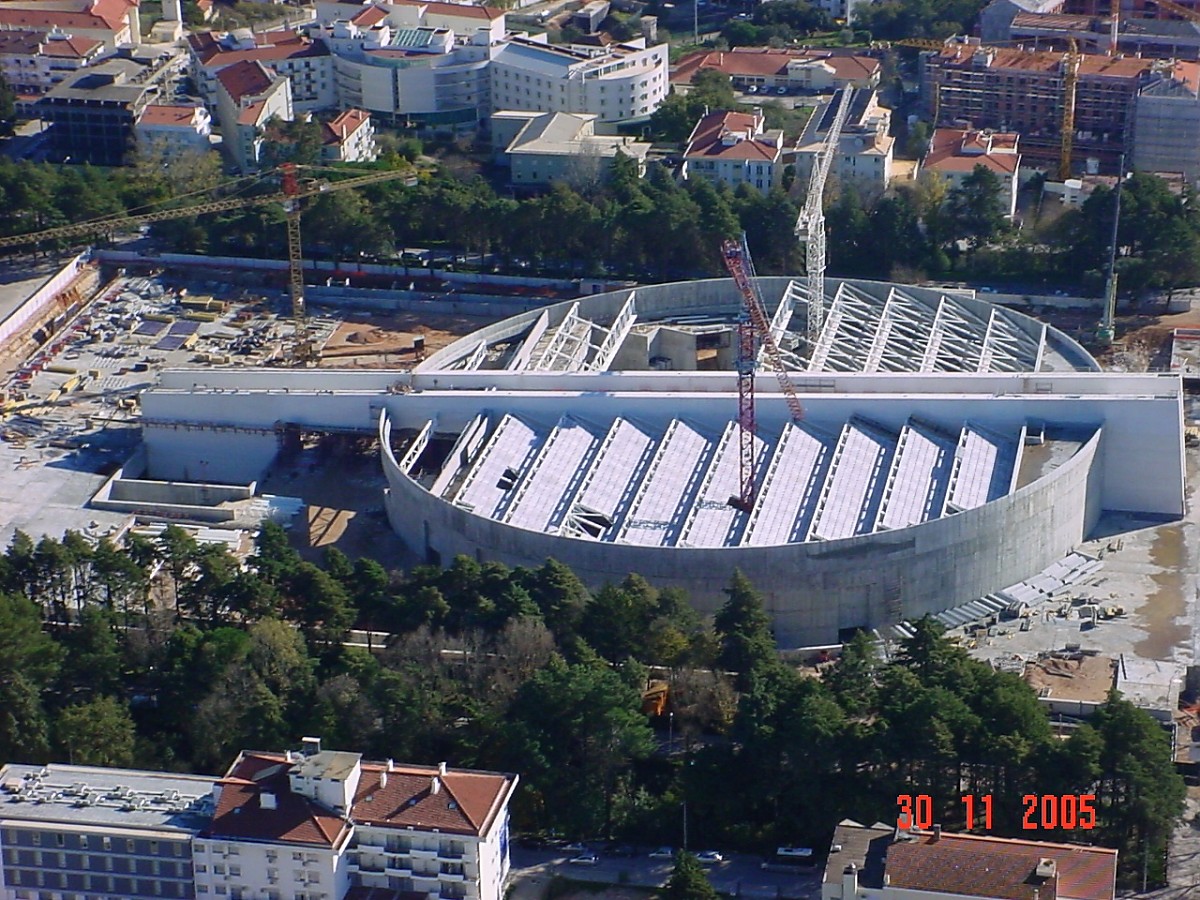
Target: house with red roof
(882,863)
(349,137)
(249,96)
(112,22)
(174,130)
(768,68)
(32,62)
(735,148)
(303,60)
(324,823)
(955,152)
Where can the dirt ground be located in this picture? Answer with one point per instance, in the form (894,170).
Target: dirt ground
(379,342)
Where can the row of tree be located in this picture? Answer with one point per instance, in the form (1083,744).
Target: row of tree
(168,653)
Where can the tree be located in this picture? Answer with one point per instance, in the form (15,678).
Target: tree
(976,207)
(744,629)
(8,106)
(97,733)
(852,678)
(688,880)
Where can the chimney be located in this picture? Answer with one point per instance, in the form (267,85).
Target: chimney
(850,882)
(383,779)
(442,769)
(435,786)
(310,745)
(391,765)
(937,834)
(1046,868)
(267,800)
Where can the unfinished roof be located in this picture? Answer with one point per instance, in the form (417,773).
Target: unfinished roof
(761,62)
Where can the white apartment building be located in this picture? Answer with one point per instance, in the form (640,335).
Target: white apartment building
(620,83)
(173,130)
(882,863)
(955,152)
(308,825)
(735,148)
(349,137)
(865,149)
(32,62)
(542,148)
(305,62)
(248,97)
(112,22)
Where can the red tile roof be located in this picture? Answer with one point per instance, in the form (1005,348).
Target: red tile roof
(960,55)
(466,803)
(370,16)
(240,812)
(707,138)
(269,47)
(465,10)
(765,61)
(103,15)
(244,79)
(1001,868)
(168,114)
(958,150)
(70,47)
(344,125)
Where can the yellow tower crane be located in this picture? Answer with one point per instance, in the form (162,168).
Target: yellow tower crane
(1070,84)
(292,192)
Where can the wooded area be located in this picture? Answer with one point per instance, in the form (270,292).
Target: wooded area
(104,662)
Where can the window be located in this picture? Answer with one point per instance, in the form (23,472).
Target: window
(37,838)
(106,841)
(201,868)
(83,841)
(235,871)
(218,869)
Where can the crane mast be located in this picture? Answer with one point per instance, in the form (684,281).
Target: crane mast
(754,330)
(1070,80)
(810,225)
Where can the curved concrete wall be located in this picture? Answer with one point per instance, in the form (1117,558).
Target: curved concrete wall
(812,590)
(657,301)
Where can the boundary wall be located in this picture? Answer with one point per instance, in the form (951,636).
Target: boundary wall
(41,298)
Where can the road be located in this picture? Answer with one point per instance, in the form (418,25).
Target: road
(740,875)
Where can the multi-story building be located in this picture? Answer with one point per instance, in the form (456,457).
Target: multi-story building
(865,148)
(813,69)
(349,137)
(248,97)
(881,863)
(1022,90)
(1155,38)
(91,115)
(32,62)
(620,83)
(954,153)
(542,148)
(735,148)
(304,61)
(173,130)
(996,18)
(308,825)
(112,22)
(1166,125)
(96,833)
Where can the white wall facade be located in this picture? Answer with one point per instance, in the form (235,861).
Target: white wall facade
(260,870)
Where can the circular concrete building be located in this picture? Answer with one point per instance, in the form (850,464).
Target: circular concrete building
(949,448)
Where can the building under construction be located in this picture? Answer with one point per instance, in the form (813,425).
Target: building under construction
(1016,89)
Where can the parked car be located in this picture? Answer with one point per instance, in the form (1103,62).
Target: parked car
(663,853)
(781,90)
(709,857)
(575,847)
(753,89)
(584,859)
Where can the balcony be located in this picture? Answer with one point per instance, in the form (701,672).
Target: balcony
(398,870)
(452,876)
(450,855)
(377,844)
(423,854)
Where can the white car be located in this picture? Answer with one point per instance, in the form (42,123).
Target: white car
(663,853)
(584,859)
(709,857)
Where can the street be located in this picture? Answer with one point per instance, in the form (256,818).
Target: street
(740,875)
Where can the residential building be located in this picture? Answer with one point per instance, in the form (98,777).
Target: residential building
(620,83)
(1021,90)
(883,863)
(174,130)
(306,62)
(307,825)
(91,115)
(248,97)
(349,137)
(32,62)
(542,148)
(112,22)
(734,148)
(589,16)
(94,833)
(811,70)
(955,153)
(865,148)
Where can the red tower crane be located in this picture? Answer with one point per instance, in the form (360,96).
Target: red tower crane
(754,331)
